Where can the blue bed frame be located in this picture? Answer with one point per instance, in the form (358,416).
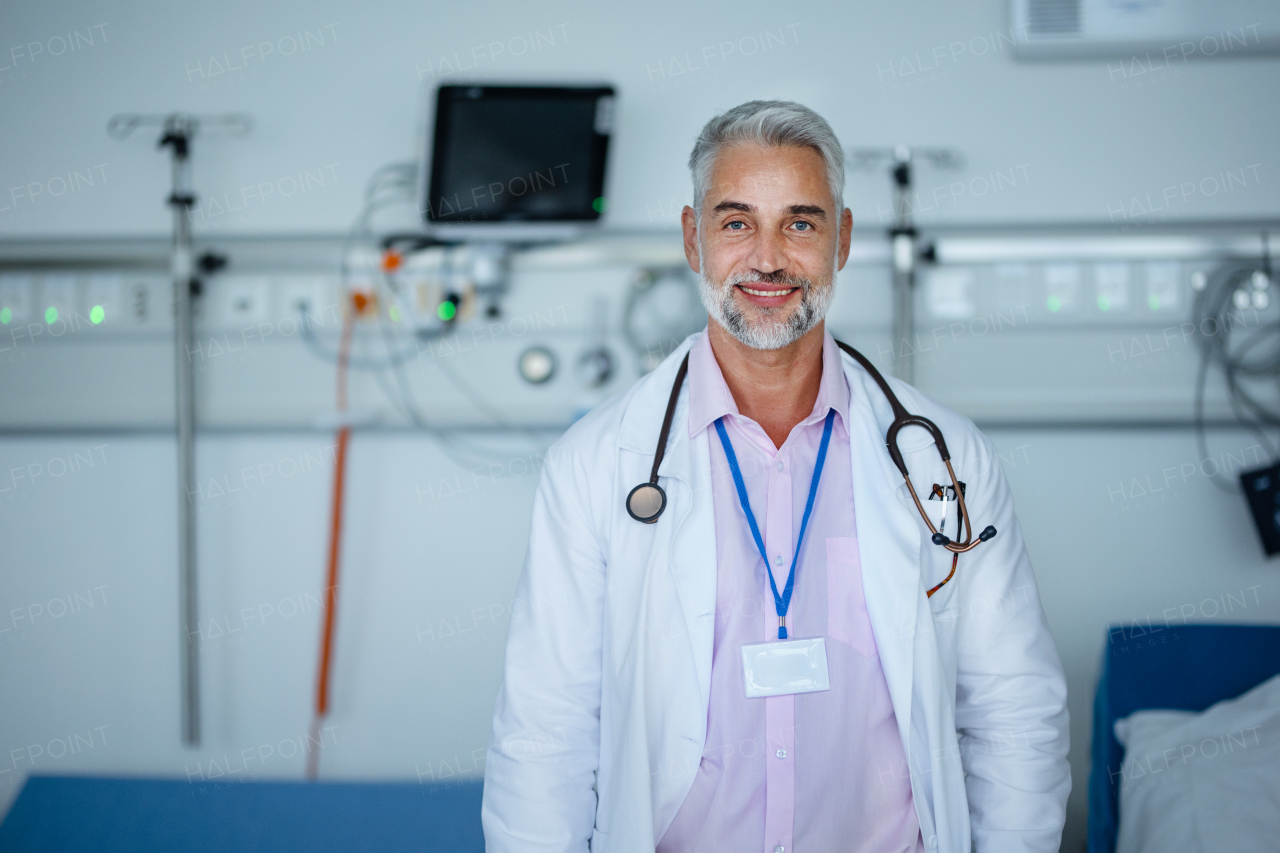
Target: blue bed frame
(1183,667)
(105,815)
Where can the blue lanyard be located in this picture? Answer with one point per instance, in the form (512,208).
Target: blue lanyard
(780,602)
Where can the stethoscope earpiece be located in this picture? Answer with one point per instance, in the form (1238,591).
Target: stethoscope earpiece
(646,502)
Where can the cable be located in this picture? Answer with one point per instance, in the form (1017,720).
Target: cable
(403,397)
(394,184)
(354,363)
(405,177)
(1238,356)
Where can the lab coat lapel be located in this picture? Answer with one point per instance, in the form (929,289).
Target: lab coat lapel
(685,474)
(693,548)
(888,545)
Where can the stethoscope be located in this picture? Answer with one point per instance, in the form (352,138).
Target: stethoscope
(646,501)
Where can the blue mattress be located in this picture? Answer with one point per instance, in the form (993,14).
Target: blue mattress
(1182,667)
(69,813)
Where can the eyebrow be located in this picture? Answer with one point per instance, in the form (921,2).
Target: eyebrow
(795,209)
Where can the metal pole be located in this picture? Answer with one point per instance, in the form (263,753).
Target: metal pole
(902,238)
(178,132)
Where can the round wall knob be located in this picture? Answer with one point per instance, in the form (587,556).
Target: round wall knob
(537,365)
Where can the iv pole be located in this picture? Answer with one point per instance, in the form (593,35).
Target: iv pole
(902,235)
(177,132)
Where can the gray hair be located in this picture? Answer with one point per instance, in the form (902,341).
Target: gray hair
(784,123)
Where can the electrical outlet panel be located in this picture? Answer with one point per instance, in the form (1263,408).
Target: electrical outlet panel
(58,299)
(104,300)
(15,299)
(1104,293)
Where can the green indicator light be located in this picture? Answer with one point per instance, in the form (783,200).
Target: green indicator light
(51,315)
(6,315)
(1053,303)
(1104,304)
(97,315)
(395,313)
(447,311)
(598,205)
(1153,302)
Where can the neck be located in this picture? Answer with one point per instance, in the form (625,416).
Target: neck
(775,388)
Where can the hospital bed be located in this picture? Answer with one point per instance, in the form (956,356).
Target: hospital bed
(108,815)
(1184,667)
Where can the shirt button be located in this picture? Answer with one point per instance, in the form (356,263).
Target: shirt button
(779,849)
(782,753)
(932,843)
(779,465)
(777,559)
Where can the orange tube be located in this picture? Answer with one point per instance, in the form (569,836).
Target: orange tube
(335,551)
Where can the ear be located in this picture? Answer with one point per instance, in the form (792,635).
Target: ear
(846,234)
(689,224)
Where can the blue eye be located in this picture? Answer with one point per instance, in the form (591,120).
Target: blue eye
(803,226)
(735,225)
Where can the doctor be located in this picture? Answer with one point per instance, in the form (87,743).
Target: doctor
(648,701)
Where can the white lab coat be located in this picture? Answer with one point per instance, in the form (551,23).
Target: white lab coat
(601,719)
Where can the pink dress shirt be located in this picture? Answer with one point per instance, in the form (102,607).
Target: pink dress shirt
(812,772)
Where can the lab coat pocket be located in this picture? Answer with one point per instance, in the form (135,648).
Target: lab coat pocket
(847,619)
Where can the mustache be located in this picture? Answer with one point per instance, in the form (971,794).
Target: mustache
(777,277)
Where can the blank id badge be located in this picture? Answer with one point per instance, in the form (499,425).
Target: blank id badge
(782,667)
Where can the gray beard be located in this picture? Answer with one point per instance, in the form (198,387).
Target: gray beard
(774,329)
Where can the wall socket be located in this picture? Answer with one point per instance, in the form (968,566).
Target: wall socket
(241,301)
(313,295)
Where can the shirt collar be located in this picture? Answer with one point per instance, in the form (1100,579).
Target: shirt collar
(710,397)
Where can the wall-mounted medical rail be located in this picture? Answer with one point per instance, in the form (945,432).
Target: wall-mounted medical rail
(937,244)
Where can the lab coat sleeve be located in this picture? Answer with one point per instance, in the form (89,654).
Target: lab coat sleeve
(1011,714)
(539,792)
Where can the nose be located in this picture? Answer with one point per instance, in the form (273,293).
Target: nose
(768,254)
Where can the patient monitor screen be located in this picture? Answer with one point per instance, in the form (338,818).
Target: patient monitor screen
(512,153)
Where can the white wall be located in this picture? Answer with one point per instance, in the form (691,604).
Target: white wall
(1090,139)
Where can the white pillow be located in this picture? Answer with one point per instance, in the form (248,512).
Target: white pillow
(1205,781)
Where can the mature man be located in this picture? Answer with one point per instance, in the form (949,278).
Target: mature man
(767,665)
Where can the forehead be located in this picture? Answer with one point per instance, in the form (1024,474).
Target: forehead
(768,176)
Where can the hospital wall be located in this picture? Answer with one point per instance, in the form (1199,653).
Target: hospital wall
(1122,521)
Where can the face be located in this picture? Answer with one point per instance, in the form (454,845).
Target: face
(767,246)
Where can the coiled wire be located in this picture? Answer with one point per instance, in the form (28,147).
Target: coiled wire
(1247,353)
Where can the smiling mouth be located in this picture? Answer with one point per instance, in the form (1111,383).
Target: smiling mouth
(782,291)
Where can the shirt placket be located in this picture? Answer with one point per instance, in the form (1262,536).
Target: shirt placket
(780,783)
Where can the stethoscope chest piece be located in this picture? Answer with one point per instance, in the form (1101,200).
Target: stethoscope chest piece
(646,502)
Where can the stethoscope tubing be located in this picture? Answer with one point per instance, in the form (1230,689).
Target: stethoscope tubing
(650,490)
